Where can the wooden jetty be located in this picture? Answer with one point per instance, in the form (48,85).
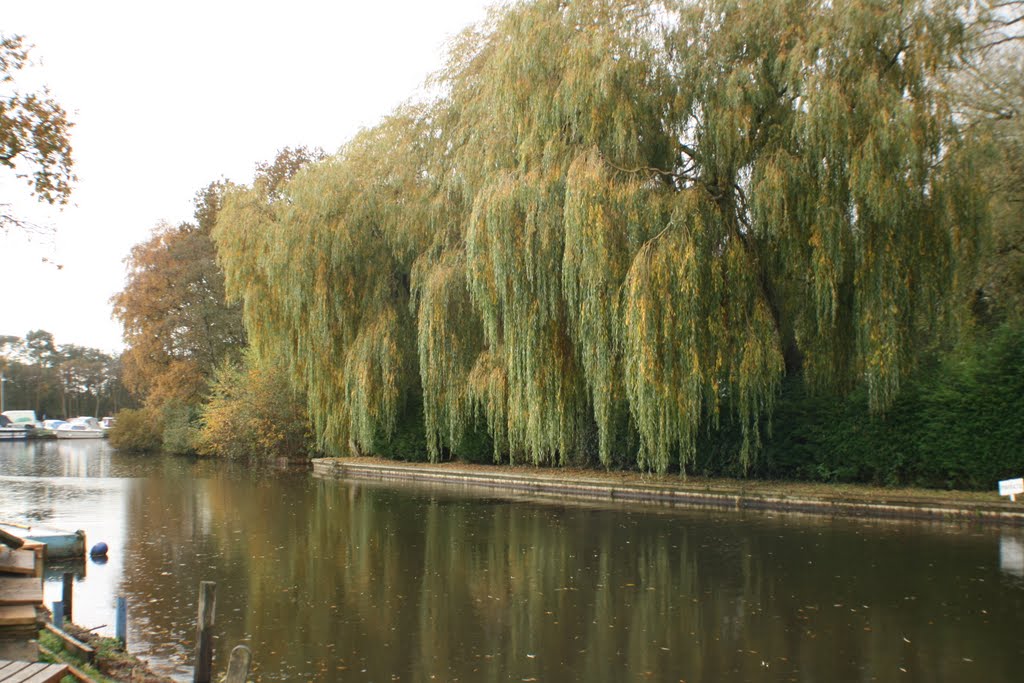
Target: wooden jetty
(31,672)
(22,613)
(21,590)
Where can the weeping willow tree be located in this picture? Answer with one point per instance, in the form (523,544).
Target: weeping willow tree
(550,85)
(324,275)
(620,223)
(825,203)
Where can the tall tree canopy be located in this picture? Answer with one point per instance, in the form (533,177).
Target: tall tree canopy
(176,324)
(622,222)
(990,97)
(34,134)
(59,380)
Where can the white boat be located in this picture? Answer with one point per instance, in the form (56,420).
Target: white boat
(21,418)
(81,428)
(8,432)
(48,430)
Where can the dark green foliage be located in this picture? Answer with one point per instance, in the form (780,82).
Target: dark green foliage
(137,431)
(476,446)
(180,427)
(407,441)
(957,424)
(60,380)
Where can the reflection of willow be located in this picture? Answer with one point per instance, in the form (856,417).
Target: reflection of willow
(592,594)
(186,530)
(327,575)
(573,593)
(495,587)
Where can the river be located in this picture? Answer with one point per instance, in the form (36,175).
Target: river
(341,581)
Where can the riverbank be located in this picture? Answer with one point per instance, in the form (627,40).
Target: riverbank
(112,663)
(845,500)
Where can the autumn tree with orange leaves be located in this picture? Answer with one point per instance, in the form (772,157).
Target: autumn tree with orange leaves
(177,327)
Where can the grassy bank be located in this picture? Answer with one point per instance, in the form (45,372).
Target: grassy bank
(111,664)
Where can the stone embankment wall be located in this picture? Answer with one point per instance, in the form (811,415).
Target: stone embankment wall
(636,488)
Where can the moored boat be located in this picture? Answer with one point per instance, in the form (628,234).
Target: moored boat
(49,429)
(60,545)
(9,432)
(23,418)
(81,428)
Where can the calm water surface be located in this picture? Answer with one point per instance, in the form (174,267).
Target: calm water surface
(334,581)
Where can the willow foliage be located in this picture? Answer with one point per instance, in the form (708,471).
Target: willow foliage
(552,83)
(621,223)
(324,272)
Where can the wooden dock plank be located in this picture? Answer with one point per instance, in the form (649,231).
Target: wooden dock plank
(17,561)
(39,549)
(17,615)
(19,648)
(48,673)
(20,590)
(31,672)
(72,671)
(8,668)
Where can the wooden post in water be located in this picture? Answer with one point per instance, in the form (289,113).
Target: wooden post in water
(238,667)
(121,623)
(58,615)
(68,597)
(204,632)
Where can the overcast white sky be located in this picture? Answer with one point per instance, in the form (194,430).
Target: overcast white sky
(167,97)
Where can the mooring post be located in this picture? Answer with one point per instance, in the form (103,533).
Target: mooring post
(58,615)
(121,622)
(238,667)
(204,632)
(68,598)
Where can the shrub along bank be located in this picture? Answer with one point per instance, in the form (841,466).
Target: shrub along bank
(956,424)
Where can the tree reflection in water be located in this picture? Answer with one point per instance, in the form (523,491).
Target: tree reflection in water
(332,580)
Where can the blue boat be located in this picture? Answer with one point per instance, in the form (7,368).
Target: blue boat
(60,545)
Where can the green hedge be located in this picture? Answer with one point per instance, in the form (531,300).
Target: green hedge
(959,423)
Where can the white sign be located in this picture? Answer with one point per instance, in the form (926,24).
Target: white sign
(1011,488)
